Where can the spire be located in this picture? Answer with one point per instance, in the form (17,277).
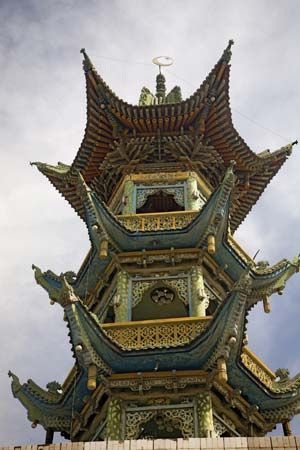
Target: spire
(174,96)
(160,87)
(87,63)
(289,147)
(226,56)
(161,61)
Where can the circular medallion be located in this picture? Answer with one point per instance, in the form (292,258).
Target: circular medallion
(162,295)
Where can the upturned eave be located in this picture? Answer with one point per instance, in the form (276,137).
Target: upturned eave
(205,113)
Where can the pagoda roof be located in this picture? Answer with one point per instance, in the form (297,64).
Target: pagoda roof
(120,136)
(212,218)
(220,336)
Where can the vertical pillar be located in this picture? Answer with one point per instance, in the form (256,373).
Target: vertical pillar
(205,415)
(194,201)
(49,436)
(199,300)
(129,206)
(287,429)
(114,430)
(121,299)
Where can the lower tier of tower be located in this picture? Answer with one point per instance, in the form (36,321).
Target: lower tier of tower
(168,405)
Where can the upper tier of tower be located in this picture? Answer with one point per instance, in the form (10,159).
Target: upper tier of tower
(194,134)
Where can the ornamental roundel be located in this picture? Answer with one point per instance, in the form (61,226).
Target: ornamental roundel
(162,295)
(175,285)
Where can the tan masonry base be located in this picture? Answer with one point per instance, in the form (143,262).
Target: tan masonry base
(236,443)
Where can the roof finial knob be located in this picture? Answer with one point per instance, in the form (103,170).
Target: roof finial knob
(288,148)
(161,61)
(87,63)
(227,52)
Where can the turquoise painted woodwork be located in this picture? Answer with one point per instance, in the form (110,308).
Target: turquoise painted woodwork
(162,135)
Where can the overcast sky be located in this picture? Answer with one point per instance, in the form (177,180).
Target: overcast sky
(42,118)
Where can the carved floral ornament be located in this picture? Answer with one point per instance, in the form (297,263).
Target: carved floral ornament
(159,221)
(173,286)
(162,295)
(164,335)
(142,193)
(165,419)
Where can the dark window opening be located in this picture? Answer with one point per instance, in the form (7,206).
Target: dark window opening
(160,428)
(160,202)
(110,316)
(212,308)
(160,302)
(226,434)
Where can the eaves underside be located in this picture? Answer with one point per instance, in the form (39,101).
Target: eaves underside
(205,115)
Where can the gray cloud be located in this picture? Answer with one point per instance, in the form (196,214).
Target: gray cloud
(42,117)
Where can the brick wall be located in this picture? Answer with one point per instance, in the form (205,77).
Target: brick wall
(237,443)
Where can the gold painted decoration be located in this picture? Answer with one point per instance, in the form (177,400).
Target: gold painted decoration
(162,295)
(142,193)
(157,221)
(156,334)
(114,418)
(205,414)
(257,370)
(165,419)
(178,286)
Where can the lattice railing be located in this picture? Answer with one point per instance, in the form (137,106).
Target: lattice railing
(257,367)
(157,221)
(162,333)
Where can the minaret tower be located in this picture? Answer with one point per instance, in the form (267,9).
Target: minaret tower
(159,343)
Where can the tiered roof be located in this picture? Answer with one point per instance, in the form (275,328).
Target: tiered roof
(196,133)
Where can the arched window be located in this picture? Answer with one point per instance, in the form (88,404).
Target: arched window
(160,201)
(160,302)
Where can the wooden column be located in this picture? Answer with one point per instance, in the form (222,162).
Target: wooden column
(192,195)
(287,429)
(49,436)
(205,415)
(114,430)
(128,198)
(199,300)
(121,303)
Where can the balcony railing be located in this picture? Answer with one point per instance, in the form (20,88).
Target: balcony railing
(170,221)
(157,221)
(167,333)
(255,365)
(162,333)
